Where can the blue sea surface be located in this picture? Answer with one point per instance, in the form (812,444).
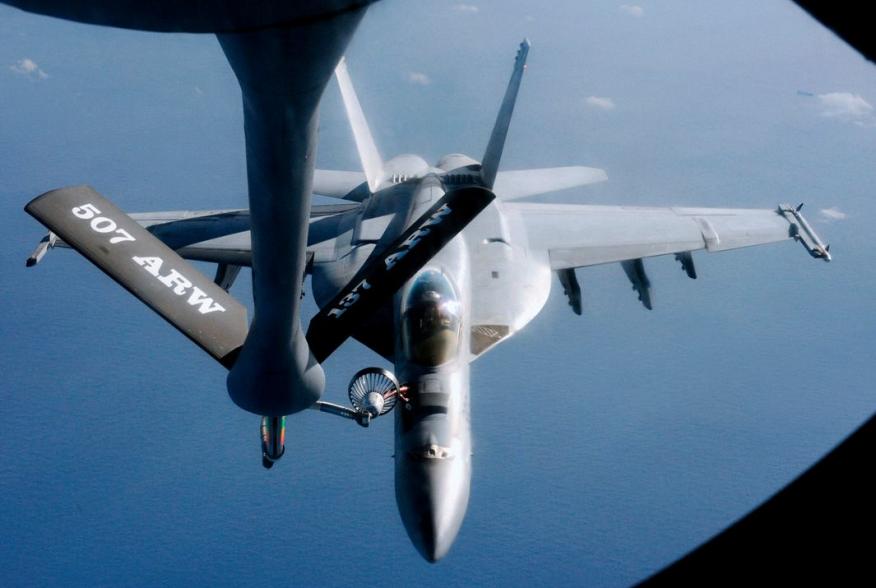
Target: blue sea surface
(606,445)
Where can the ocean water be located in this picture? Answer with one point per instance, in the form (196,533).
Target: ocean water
(606,445)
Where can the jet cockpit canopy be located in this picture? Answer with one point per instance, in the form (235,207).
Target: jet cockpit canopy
(431,320)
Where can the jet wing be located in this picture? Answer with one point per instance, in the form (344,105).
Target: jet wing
(582,235)
(219,236)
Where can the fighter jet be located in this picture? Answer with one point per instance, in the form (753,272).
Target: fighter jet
(429,265)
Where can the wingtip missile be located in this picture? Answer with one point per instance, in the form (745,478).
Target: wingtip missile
(825,254)
(802,231)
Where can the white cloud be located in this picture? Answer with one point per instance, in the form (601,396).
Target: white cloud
(846,106)
(28,67)
(419,78)
(833,214)
(600,102)
(633,10)
(469,8)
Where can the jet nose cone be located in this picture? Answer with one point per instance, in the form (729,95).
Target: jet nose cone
(436,531)
(432,496)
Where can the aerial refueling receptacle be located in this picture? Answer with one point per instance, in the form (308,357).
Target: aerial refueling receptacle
(373,392)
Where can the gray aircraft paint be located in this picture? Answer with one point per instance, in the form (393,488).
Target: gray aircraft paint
(205,16)
(283,56)
(501,265)
(147,267)
(502,274)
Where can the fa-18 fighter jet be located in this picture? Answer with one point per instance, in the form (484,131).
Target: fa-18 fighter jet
(429,265)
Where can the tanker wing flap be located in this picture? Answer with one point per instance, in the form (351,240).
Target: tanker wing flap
(146,267)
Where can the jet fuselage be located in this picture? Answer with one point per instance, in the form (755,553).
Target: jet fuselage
(432,341)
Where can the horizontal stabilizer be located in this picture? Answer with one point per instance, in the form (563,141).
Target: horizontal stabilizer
(146,267)
(511,185)
(340,184)
(384,274)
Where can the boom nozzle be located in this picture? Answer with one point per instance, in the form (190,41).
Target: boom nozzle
(273,431)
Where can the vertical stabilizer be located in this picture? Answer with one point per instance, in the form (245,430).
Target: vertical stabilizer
(372,163)
(493,155)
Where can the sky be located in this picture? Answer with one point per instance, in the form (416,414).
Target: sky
(606,445)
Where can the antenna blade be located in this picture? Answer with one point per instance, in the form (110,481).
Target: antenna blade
(372,163)
(493,155)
